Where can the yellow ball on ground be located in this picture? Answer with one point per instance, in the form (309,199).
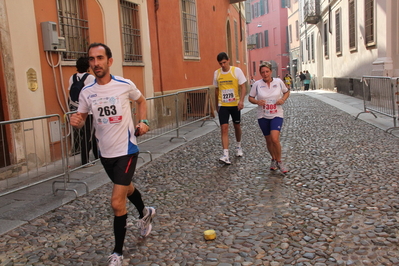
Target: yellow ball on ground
(209,234)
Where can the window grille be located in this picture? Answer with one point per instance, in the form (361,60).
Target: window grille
(73,24)
(236,40)
(352,25)
(326,31)
(266,34)
(131,33)
(190,30)
(262,7)
(312,46)
(338,39)
(369,22)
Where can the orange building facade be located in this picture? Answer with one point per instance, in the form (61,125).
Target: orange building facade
(162,46)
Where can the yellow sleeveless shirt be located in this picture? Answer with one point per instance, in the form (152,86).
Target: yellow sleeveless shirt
(228,88)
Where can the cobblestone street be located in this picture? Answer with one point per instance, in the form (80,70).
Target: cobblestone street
(338,205)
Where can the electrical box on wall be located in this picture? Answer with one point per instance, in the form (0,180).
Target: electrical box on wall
(50,36)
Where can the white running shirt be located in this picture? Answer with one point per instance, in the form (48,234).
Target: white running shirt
(261,91)
(110,104)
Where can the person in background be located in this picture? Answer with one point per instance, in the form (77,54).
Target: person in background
(84,139)
(306,82)
(302,77)
(288,80)
(109,100)
(229,95)
(270,94)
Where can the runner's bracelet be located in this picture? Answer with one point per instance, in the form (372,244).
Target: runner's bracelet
(145,121)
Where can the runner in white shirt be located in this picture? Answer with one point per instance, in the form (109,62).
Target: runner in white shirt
(109,100)
(270,94)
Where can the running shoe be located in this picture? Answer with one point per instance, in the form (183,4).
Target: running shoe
(282,168)
(239,152)
(115,260)
(224,159)
(144,224)
(273,165)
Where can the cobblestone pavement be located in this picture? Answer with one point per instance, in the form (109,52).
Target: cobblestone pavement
(338,205)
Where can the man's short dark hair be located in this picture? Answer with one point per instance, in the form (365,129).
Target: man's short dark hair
(96,44)
(82,64)
(222,56)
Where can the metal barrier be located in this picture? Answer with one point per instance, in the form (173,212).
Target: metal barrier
(166,114)
(379,96)
(32,152)
(43,148)
(171,112)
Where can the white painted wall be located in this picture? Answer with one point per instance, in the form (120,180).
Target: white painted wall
(25,50)
(379,60)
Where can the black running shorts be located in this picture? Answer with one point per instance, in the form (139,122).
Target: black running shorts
(120,169)
(224,113)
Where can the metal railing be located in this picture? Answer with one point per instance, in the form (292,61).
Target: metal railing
(171,112)
(39,149)
(32,152)
(380,96)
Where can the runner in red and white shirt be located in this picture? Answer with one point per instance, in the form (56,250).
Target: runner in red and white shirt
(270,94)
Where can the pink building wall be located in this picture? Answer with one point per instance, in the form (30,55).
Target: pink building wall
(275,22)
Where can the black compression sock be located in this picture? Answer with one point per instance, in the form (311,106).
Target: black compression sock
(119,232)
(136,199)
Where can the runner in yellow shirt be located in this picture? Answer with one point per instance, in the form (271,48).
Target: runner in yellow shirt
(229,95)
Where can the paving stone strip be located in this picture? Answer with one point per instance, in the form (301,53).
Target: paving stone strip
(339,204)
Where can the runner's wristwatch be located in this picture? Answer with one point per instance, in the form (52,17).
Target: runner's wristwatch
(145,121)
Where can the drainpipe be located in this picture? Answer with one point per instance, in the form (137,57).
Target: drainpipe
(159,51)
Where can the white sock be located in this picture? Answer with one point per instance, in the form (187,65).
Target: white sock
(238,144)
(226,152)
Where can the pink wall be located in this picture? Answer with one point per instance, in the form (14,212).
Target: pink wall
(275,22)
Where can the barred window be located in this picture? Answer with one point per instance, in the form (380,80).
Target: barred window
(262,7)
(190,30)
(325,26)
(369,22)
(312,46)
(236,40)
(131,33)
(338,39)
(73,24)
(352,25)
(266,34)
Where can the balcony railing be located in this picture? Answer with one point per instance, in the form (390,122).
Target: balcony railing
(311,11)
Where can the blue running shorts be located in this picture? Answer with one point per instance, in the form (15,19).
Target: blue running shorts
(266,125)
